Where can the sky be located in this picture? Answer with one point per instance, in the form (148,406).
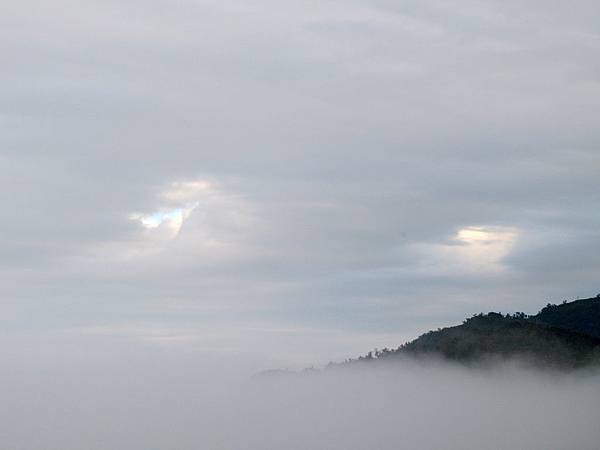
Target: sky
(296,181)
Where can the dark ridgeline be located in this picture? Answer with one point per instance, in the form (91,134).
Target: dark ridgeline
(562,336)
(582,316)
(565,336)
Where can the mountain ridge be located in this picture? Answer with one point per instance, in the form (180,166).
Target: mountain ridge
(565,336)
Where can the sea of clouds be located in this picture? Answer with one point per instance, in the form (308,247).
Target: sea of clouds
(128,399)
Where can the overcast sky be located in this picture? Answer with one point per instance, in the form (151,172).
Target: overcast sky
(299,179)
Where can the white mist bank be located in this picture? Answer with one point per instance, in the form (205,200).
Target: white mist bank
(159,400)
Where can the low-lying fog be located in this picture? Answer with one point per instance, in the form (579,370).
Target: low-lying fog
(163,400)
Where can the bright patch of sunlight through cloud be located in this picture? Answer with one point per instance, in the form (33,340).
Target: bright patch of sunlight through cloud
(482,249)
(178,201)
(477,250)
(174,218)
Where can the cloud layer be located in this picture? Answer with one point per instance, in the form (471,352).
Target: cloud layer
(133,398)
(365,169)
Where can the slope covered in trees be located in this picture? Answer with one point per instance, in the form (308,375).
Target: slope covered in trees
(562,336)
(582,316)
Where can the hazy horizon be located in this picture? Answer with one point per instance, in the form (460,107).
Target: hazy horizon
(149,400)
(260,184)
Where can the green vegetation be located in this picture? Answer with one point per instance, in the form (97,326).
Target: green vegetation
(563,336)
(582,316)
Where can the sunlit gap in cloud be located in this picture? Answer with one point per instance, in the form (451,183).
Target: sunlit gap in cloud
(181,199)
(473,250)
(174,218)
(483,248)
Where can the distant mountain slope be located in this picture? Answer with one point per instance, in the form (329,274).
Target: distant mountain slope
(582,316)
(507,337)
(565,336)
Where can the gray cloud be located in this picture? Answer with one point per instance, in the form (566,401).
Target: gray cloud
(347,143)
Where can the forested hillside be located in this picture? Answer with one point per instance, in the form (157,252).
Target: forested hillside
(582,316)
(562,336)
